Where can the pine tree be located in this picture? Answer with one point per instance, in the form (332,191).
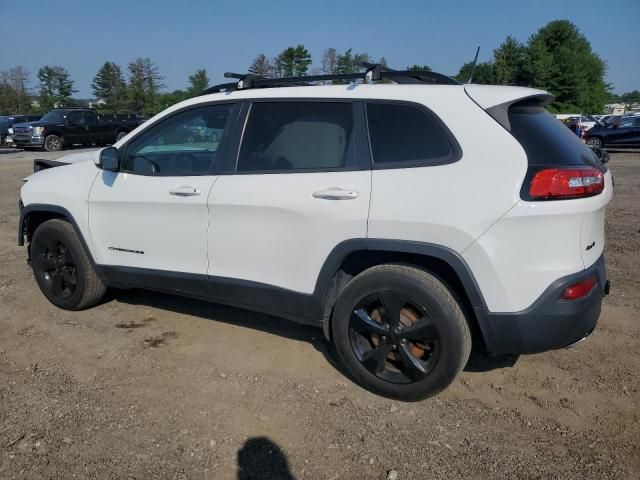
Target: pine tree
(56,87)
(109,86)
(199,81)
(508,62)
(261,66)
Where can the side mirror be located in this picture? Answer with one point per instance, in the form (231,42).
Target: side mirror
(108,159)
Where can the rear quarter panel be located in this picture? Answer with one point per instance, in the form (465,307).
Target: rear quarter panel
(451,205)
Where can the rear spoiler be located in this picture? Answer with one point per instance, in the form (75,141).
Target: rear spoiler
(41,164)
(496,100)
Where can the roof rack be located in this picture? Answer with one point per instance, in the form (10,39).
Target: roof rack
(373,72)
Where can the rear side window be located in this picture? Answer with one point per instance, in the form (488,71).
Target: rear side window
(406,135)
(297,136)
(546,140)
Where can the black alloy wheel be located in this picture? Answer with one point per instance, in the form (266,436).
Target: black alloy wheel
(394,337)
(55,264)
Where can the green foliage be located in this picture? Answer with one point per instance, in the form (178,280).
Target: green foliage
(508,62)
(198,82)
(144,86)
(14,94)
(56,87)
(294,61)
(417,67)
(483,73)
(109,85)
(166,100)
(559,59)
(624,98)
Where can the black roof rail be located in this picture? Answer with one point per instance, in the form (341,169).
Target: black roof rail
(374,72)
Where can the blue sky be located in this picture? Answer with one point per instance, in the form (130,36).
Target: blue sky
(225,36)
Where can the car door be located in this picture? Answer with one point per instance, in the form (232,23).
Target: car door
(75,130)
(150,218)
(93,132)
(299,187)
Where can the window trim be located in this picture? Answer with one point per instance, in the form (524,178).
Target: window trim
(361,157)
(223,150)
(456,150)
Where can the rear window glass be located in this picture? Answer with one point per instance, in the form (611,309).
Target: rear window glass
(402,134)
(546,140)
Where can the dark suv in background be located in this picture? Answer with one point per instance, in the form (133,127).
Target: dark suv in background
(7,121)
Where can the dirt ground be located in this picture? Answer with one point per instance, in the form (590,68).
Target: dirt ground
(153,386)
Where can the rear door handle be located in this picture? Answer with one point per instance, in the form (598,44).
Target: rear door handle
(185,191)
(335,193)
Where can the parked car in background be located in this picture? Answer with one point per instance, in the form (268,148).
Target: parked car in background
(625,133)
(68,126)
(7,121)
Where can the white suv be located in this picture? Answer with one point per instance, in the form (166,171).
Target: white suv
(403,219)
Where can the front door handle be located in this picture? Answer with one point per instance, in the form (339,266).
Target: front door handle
(185,191)
(335,193)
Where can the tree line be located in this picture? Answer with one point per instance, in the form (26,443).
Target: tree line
(557,58)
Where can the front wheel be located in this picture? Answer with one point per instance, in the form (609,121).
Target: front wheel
(62,267)
(53,143)
(400,332)
(594,142)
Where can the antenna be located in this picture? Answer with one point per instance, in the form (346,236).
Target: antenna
(473,65)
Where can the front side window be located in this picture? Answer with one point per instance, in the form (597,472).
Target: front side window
(75,118)
(297,136)
(184,144)
(403,134)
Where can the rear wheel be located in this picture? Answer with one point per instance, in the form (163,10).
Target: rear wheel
(594,142)
(62,268)
(400,332)
(53,143)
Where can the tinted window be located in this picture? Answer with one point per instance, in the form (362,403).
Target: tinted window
(75,118)
(53,116)
(296,136)
(183,144)
(90,118)
(405,134)
(546,140)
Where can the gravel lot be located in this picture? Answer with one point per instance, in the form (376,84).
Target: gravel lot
(152,386)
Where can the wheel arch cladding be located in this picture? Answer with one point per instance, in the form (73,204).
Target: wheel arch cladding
(40,213)
(352,257)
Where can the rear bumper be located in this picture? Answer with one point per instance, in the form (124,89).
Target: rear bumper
(551,322)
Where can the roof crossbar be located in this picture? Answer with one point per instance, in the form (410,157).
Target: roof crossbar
(374,72)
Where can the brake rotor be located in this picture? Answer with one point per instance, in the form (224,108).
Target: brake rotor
(408,317)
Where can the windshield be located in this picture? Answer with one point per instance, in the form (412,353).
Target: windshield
(53,116)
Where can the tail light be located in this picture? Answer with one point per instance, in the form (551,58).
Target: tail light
(580,289)
(552,183)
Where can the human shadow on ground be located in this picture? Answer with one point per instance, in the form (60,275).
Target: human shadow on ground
(261,459)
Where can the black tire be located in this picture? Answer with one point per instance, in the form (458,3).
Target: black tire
(62,267)
(423,346)
(120,136)
(595,142)
(53,143)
